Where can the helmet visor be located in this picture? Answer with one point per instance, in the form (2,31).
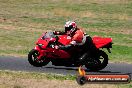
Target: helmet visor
(68,28)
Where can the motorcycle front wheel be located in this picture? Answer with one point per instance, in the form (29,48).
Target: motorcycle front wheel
(99,63)
(33,60)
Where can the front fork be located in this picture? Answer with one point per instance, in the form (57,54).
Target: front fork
(41,52)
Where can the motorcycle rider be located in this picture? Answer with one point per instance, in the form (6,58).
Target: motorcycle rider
(76,34)
(78,38)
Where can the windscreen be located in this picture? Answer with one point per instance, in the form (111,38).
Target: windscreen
(48,35)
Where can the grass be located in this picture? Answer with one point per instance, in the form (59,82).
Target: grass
(11,79)
(23,21)
(35,75)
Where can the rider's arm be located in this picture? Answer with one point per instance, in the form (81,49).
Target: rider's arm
(66,47)
(59,32)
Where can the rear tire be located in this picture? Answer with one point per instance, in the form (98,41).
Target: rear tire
(100,64)
(33,60)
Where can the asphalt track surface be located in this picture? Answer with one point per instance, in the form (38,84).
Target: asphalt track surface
(21,64)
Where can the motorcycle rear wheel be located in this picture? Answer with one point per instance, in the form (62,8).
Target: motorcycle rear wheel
(100,64)
(33,60)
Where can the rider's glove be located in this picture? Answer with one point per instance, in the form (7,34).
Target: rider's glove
(56,47)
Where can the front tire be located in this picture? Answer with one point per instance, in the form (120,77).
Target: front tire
(100,64)
(33,60)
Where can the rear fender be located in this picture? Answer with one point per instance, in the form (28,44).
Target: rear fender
(108,46)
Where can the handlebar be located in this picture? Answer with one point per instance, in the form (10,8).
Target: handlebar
(57,38)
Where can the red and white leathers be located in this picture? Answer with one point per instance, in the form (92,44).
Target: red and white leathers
(77,38)
(76,34)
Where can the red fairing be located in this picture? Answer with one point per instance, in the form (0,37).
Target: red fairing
(51,52)
(64,39)
(100,42)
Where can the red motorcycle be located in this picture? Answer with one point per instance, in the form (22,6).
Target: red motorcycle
(94,58)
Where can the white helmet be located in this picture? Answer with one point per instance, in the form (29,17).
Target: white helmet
(70,26)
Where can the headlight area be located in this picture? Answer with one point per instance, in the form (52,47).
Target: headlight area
(41,46)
